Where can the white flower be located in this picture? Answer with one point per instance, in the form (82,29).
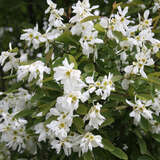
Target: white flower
(94,116)
(55,18)
(34,70)
(13,132)
(64,143)
(32,36)
(12,63)
(42,131)
(59,128)
(82,10)
(156,5)
(155,126)
(140,109)
(143,59)
(90,141)
(106,87)
(125,83)
(66,72)
(146,22)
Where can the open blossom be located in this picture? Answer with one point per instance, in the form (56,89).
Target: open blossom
(143,59)
(32,36)
(82,10)
(34,70)
(13,61)
(63,143)
(155,126)
(59,128)
(13,132)
(89,141)
(66,72)
(146,22)
(121,22)
(94,116)
(140,108)
(42,131)
(156,5)
(55,18)
(105,87)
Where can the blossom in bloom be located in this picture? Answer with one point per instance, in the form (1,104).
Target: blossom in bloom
(140,108)
(32,36)
(143,59)
(12,63)
(42,131)
(59,128)
(106,87)
(155,126)
(34,70)
(63,143)
(82,10)
(66,72)
(146,22)
(90,141)
(94,116)
(156,5)
(55,18)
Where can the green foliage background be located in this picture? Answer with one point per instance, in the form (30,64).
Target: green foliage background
(20,14)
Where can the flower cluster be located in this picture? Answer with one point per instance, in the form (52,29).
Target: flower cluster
(86,70)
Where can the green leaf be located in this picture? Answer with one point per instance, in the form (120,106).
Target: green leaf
(78,122)
(24,113)
(108,145)
(67,38)
(119,153)
(89,68)
(89,18)
(142,146)
(144,158)
(119,35)
(107,122)
(99,28)
(71,59)
(144,124)
(82,109)
(156,137)
(153,79)
(144,96)
(50,119)
(117,78)
(87,156)
(10,77)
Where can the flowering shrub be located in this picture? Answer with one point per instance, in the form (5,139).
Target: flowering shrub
(84,89)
